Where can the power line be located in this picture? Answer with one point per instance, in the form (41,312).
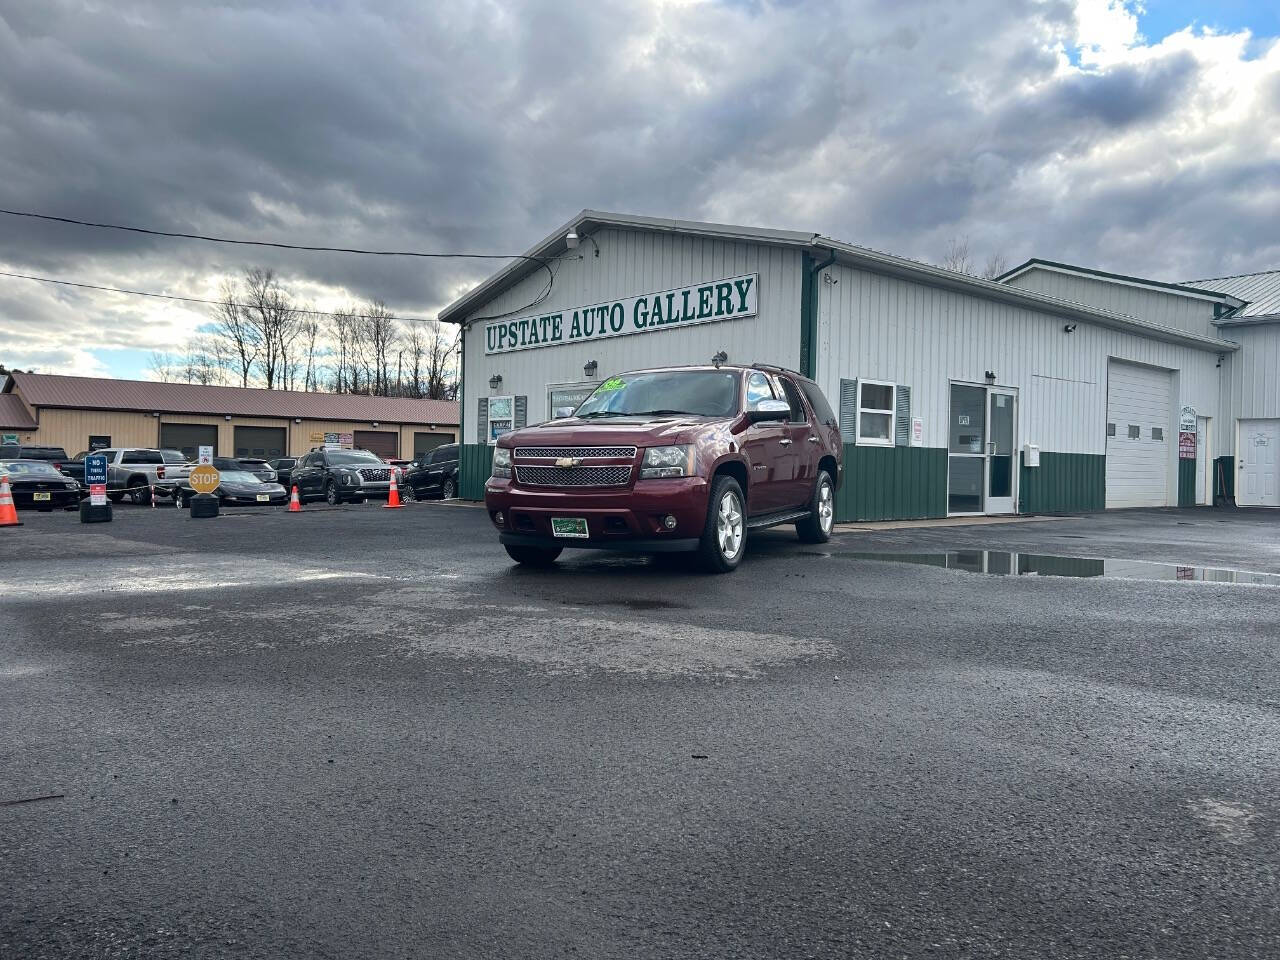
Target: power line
(169,296)
(546,292)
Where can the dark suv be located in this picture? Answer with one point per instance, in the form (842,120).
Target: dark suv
(434,473)
(669,460)
(338,475)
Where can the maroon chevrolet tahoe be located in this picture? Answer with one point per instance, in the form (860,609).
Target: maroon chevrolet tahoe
(669,460)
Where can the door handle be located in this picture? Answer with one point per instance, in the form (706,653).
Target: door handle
(785,441)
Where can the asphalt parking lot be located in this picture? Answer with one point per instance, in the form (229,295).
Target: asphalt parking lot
(359,732)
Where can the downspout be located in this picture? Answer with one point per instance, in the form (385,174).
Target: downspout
(809,312)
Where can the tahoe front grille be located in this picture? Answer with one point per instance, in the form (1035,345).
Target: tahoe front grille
(573,476)
(580,453)
(373,475)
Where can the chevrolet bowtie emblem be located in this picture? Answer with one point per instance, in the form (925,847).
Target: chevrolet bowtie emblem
(568,462)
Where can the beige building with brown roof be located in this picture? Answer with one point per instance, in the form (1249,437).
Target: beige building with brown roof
(83,413)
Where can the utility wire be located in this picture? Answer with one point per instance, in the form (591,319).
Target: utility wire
(551,278)
(169,296)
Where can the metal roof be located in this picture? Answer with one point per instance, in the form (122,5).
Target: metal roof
(1260,291)
(13,413)
(51,390)
(589,221)
(1199,292)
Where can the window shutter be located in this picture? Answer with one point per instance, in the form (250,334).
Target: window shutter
(522,412)
(849,410)
(482,421)
(902,418)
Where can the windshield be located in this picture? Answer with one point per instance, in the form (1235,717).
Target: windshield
(703,393)
(238,476)
(359,457)
(20,469)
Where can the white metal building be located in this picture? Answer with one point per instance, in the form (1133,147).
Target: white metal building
(1055,389)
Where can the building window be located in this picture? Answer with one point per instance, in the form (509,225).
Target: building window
(1135,433)
(1111,429)
(875,413)
(564,398)
(1157,433)
(502,411)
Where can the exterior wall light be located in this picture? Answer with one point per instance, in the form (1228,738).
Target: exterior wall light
(495,381)
(1069,328)
(375,423)
(589,368)
(155,414)
(991,377)
(226,416)
(571,240)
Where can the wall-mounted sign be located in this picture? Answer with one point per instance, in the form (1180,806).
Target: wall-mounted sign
(699,303)
(502,416)
(563,400)
(1186,444)
(10,438)
(317,437)
(1187,420)
(917,432)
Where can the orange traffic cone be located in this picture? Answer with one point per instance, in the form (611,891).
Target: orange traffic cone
(8,512)
(393,498)
(295,505)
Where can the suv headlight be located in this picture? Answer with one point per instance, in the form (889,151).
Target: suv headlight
(502,462)
(346,477)
(675,461)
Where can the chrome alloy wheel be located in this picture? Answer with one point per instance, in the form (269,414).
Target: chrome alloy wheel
(729,527)
(826,508)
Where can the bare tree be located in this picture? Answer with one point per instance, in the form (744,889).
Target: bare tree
(310,331)
(996,265)
(206,360)
(415,343)
(270,311)
(378,334)
(234,326)
(440,363)
(163,366)
(958,257)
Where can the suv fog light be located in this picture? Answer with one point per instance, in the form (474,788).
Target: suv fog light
(669,521)
(497,518)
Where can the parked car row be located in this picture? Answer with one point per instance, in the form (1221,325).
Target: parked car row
(45,477)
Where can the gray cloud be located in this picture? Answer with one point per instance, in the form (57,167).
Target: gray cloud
(480,125)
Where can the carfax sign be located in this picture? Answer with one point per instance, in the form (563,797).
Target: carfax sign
(699,303)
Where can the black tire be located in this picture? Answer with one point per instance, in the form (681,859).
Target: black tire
(331,495)
(115,497)
(533,556)
(140,494)
(449,489)
(719,550)
(817,526)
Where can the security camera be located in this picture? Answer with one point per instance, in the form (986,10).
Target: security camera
(1069,328)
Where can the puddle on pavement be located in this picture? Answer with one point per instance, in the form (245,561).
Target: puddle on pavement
(1005,563)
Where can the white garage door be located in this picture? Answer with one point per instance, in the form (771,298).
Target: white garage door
(1259,484)
(1139,419)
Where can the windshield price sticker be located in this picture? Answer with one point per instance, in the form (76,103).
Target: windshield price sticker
(728,299)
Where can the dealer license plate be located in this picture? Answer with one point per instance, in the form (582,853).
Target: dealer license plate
(569,527)
(264,498)
(40,496)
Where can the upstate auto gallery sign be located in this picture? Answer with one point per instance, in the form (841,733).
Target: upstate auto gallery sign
(699,303)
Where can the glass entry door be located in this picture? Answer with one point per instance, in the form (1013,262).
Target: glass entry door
(1001,455)
(982,457)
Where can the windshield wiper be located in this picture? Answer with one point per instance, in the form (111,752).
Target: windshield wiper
(600,413)
(662,413)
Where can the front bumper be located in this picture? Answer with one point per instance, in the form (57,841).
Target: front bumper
(629,519)
(251,499)
(58,499)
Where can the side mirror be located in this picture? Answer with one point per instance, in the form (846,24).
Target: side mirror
(766,410)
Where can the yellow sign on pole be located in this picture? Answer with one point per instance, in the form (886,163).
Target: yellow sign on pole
(204,479)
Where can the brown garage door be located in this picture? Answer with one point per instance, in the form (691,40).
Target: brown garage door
(188,437)
(426,442)
(384,443)
(265,443)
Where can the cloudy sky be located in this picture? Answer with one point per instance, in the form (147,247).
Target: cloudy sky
(1137,138)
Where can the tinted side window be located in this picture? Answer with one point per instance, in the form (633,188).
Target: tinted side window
(798,414)
(143,456)
(758,389)
(821,409)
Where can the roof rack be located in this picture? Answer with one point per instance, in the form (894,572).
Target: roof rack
(774,368)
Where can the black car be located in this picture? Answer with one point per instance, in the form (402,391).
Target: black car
(432,474)
(259,468)
(55,455)
(341,475)
(36,484)
(283,468)
(237,487)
